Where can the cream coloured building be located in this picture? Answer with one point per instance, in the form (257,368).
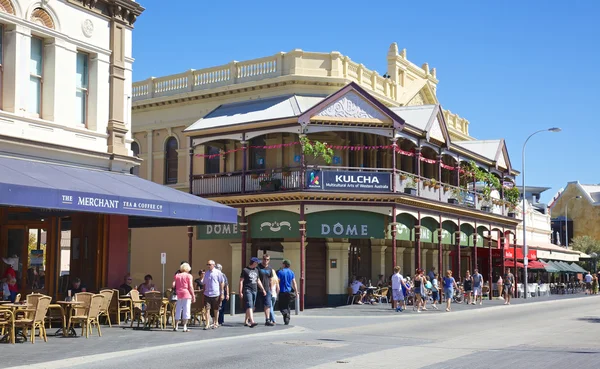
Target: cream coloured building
(244,120)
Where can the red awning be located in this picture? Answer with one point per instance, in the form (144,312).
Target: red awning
(534,264)
(509,263)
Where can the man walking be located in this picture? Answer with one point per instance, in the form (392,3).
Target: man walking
(509,281)
(265,273)
(477,283)
(588,283)
(225,295)
(397,294)
(431,274)
(249,284)
(287,289)
(214,286)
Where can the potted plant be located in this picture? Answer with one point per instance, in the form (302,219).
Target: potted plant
(435,184)
(403,176)
(427,183)
(411,186)
(446,189)
(512,196)
(268,183)
(455,197)
(254,175)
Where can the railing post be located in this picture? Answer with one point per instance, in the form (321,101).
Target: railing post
(244,164)
(151,87)
(394,175)
(190,80)
(439,167)
(233,72)
(418,167)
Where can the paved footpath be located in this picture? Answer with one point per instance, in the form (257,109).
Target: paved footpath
(545,332)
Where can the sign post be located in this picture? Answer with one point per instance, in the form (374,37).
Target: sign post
(163,261)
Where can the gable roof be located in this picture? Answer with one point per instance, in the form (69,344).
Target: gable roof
(426,118)
(423,87)
(272,108)
(353,91)
(493,150)
(591,192)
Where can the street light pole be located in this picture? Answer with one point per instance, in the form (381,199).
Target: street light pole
(525,249)
(567,221)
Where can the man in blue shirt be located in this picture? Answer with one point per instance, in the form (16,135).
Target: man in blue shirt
(287,290)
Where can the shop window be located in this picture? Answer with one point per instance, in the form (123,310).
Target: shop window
(81,92)
(212,165)
(135,149)
(36,61)
(258,156)
(171,161)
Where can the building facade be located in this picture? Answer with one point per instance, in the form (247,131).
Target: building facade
(577,207)
(405,184)
(67,198)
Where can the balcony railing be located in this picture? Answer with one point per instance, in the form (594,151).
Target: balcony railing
(358,179)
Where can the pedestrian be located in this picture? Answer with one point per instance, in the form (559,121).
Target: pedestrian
(595,284)
(477,279)
(419,288)
(265,273)
(287,290)
(398,286)
(449,286)
(435,291)
(214,286)
(588,283)
(431,274)
(274,294)
(225,295)
(509,281)
(249,284)
(183,286)
(468,287)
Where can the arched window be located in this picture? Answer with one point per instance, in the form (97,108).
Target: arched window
(135,148)
(171,161)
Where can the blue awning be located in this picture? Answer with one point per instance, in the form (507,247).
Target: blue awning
(43,185)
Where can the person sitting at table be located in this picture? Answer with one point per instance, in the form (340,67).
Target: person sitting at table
(125,288)
(198,281)
(147,286)
(10,276)
(358,289)
(381,282)
(76,286)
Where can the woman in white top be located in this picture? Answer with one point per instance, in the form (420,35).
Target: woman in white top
(274,294)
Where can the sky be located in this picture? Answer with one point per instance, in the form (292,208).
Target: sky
(509,67)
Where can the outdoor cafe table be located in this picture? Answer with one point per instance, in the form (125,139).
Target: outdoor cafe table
(66,307)
(13,308)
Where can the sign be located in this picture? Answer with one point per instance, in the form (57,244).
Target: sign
(510,254)
(507,184)
(469,199)
(329,180)
(36,258)
(111,204)
(345,224)
(218,231)
(274,224)
(163,258)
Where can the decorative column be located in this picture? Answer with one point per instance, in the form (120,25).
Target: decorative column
(418,242)
(394,230)
(244,232)
(337,273)
(190,233)
(474,254)
(236,263)
(244,163)
(377,258)
(490,265)
(458,172)
(457,270)
(439,171)
(440,251)
(411,258)
(302,223)
(302,163)
(515,271)
(394,175)
(502,258)
(418,167)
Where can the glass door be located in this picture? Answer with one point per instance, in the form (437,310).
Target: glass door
(25,247)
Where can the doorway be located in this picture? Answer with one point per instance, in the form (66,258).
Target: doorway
(26,245)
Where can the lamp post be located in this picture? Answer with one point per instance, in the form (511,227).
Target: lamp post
(525,249)
(567,221)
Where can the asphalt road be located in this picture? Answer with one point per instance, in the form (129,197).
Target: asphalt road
(545,334)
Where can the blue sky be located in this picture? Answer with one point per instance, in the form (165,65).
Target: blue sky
(509,67)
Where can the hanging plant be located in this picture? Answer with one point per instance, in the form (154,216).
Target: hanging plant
(512,195)
(316,149)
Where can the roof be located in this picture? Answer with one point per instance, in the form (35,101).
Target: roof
(493,150)
(552,247)
(272,108)
(417,116)
(591,192)
(43,185)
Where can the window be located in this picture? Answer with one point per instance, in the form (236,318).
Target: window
(36,60)
(135,148)
(81,93)
(212,165)
(171,161)
(258,155)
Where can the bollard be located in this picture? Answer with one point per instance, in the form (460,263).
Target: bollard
(232,304)
(297,301)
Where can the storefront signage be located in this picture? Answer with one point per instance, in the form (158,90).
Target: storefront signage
(274,224)
(329,180)
(510,254)
(469,199)
(79,202)
(345,224)
(218,231)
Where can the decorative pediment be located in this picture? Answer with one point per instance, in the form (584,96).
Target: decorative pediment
(7,7)
(352,104)
(425,96)
(417,100)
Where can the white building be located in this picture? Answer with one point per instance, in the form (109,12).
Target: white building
(65,80)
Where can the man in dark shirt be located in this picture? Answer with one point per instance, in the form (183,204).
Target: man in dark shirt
(287,289)
(266,273)
(77,287)
(249,283)
(125,288)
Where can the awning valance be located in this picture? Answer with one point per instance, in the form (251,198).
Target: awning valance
(43,185)
(578,268)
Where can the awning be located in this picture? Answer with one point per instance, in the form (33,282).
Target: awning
(534,264)
(510,263)
(578,268)
(557,266)
(43,185)
(548,267)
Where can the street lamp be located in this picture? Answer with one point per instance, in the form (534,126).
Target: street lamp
(567,220)
(525,249)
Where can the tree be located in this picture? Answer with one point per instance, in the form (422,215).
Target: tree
(585,244)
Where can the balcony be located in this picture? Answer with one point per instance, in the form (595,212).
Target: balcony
(343,179)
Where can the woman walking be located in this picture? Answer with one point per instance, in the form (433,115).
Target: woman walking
(449,286)
(419,288)
(274,294)
(468,287)
(184,287)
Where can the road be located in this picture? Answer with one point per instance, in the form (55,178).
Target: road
(545,334)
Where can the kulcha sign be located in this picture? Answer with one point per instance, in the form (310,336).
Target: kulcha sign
(329,180)
(218,231)
(345,224)
(274,224)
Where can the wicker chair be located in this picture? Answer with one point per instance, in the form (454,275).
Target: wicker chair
(89,317)
(156,311)
(39,310)
(119,306)
(197,311)
(136,307)
(104,310)
(7,324)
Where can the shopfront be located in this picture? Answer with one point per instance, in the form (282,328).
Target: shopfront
(58,222)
